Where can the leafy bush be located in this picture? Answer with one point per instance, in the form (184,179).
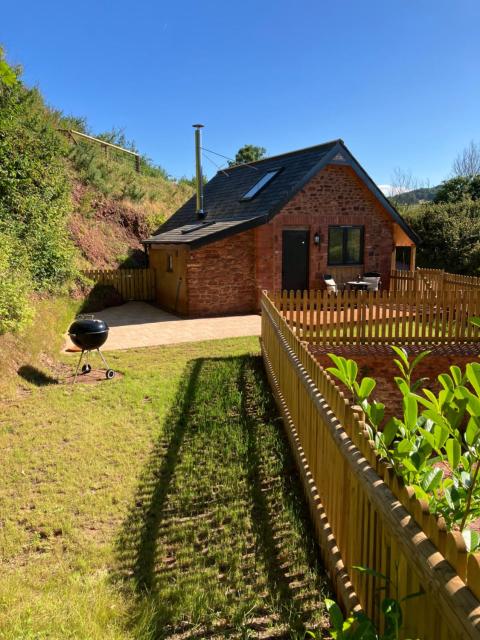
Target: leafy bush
(458,189)
(34,200)
(15,311)
(450,236)
(435,428)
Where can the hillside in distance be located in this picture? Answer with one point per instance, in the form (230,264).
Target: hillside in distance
(424,194)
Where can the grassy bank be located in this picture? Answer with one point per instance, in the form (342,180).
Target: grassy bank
(33,352)
(160,505)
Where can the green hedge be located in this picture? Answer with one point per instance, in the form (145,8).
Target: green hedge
(34,200)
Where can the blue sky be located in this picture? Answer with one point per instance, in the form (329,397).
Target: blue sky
(398,80)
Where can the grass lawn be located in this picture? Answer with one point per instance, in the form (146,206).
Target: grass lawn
(162,504)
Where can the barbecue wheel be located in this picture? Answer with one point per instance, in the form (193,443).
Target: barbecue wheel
(86,368)
(110,373)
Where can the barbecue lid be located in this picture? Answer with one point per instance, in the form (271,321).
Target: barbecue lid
(88,325)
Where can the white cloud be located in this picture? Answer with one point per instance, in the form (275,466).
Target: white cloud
(389,190)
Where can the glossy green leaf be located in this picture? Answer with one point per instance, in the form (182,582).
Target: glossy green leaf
(402,385)
(454,451)
(401,367)
(446,382)
(420,493)
(410,411)
(440,433)
(472,539)
(456,374)
(376,413)
(428,436)
(402,354)
(366,387)
(473,376)
(432,479)
(419,358)
(335,614)
(419,383)
(390,431)
(472,432)
(352,368)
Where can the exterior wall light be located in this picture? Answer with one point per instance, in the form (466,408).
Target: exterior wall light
(316,239)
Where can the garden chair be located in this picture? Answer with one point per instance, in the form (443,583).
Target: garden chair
(330,283)
(373,279)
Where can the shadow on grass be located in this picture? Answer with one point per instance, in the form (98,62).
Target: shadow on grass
(35,376)
(218,539)
(137,543)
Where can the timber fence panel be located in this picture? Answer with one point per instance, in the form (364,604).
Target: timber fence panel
(362,513)
(391,317)
(131,284)
(432,280)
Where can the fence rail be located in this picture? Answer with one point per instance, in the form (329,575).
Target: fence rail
(432,280)
(381,317)
(131,284)
(362,513)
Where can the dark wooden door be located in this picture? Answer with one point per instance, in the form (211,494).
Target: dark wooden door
(295,260)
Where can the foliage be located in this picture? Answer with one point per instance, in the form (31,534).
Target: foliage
(8,75)
(38,167)
(248,153)
(450,236)
(458,189)
(15,311)
(435,428)
(416,196)
(34,199)
(358,626)
(467,163)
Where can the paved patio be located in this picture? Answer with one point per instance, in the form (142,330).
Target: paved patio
(138,324)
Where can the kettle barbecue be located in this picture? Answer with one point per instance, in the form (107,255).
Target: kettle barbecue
(89,334)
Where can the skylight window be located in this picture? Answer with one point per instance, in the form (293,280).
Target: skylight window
(194,227)
(264,180)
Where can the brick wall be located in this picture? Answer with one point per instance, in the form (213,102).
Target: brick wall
(227,276)
(221,276)
(336,195)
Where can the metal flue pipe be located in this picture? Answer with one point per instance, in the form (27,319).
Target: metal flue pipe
(198,166)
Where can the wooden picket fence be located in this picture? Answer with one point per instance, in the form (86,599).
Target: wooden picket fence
(131,284)
(381,317)
(363,514)
(433,280)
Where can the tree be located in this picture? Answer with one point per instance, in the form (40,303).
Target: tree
(248,153)
(458,189)
(402,182)
(407,191)
(467,163)
(450,234)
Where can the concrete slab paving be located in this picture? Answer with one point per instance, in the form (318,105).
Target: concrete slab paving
(138,324)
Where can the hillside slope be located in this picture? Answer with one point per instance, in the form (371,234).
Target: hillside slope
(67,203)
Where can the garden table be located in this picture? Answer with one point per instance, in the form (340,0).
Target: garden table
(358,285)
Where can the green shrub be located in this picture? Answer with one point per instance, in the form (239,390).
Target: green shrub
(450,235)
(15,310)
(34,186)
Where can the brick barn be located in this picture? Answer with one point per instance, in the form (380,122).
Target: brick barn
(278,223)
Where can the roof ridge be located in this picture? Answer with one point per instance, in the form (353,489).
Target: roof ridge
(281,155)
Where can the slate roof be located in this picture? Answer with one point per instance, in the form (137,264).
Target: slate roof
(227,214)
